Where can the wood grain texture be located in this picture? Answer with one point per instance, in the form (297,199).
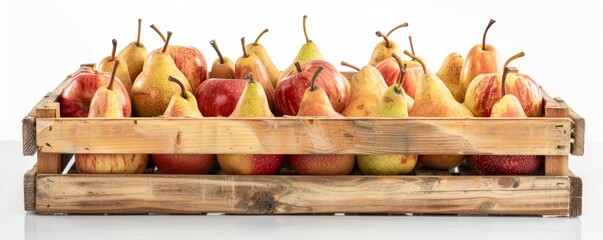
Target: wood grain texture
(307,135)
(153,193)
(575,195)
(29,189)
(556,165)
(28,128)
(49,162)
(578,122)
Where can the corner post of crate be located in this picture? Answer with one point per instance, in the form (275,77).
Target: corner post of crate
(556,165)
(49,163)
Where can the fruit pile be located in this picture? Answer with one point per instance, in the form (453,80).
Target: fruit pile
(174,81)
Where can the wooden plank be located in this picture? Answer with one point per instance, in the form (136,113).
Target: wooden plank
(307,135)
(49,162)
(556,165)
(28,128)
(155,193)
(575,195)
(29,189)
(578,123)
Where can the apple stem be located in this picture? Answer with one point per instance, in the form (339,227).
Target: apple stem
(244,50)
(402,73)
(113,50)
(298,67)
(167,41)
(110,87)
(418,59)
(215,45)
(259,36)
(412,47)
(139,28)
(313,81)
(396,28)
(380,34)
(504,79)
(249,76)
(344,63)
(492,21)
(158,32)
(516,56)
(182,89)
(306,31)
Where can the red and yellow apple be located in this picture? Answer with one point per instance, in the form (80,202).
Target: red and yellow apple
(111,163)
(391,73)
(218,97)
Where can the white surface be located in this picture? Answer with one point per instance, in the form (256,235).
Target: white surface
(43,41)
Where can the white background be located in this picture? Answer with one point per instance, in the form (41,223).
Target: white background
(43,41)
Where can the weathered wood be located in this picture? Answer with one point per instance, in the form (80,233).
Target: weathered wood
(524,136)
(28,128)
(153,193)
(425,171)
(49,162)
(29,189)
(575,195)
(556,165)
(578,124)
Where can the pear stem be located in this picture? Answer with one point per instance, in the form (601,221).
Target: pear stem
(492,21)
(402,73)
(244,50)
(298,67)
(306,31)
(110,87)
(380,34)
(113,50)
(503,81)
(396,28)
(516,56)
(313,81)
(418,59)
(259,36)
(182,89)
(167,41)
(215,45)
(158,32)
(249,76)
(138,35)
(412,47)
(344,63)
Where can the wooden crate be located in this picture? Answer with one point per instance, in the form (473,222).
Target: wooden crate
(459,191)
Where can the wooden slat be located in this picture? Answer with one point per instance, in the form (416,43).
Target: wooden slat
(28,129)
(578,123)
(49,162)
(575,195)
(29,189)
(524,136)
(153,193)
(556,165)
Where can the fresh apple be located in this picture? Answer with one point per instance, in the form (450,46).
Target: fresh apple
(189,60)
(290,90)
(485,90)
(111,163)
(77,94)
(391,73)
(218,97)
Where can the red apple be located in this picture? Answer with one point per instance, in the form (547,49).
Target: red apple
(189,60)
(77,94)
(290,90)
(218,96)
(110,163)
(251,164)
(184,163)
(391,73)
(485,90)
(506,164)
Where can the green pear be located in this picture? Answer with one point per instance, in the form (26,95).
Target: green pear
(392,104)
(134,55)
(259,50)
(450,73)
(152,91)
(107,103)
(122,73)
(385,49)
(367,87)
(253,101)
(308,51)
(433,99)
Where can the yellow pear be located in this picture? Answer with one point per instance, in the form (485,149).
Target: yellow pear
(308,51)
(385,49)
(450,73)
(259,50)
(134,55)
(152,91)
(433,99)
(106,65)
(367,87)
(391,104)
